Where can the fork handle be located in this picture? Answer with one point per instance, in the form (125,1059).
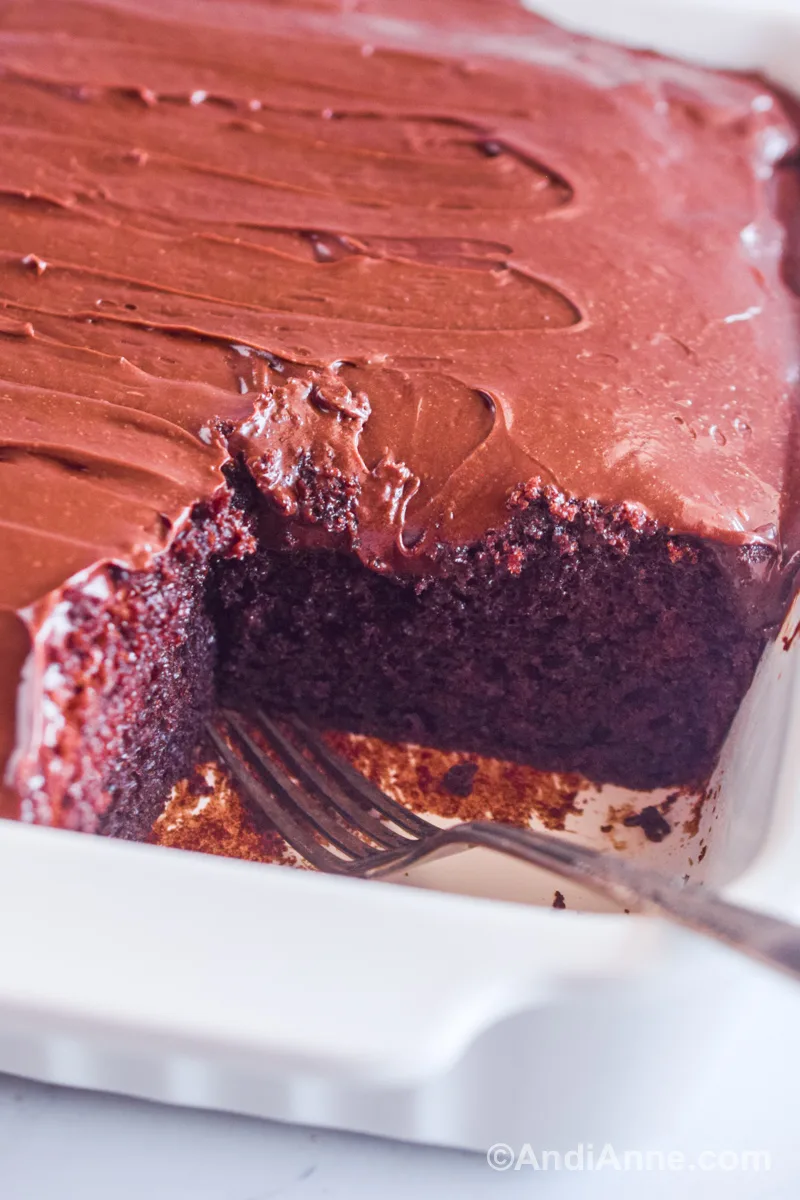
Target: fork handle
(769,940)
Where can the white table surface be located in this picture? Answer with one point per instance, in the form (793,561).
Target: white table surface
(57,1144)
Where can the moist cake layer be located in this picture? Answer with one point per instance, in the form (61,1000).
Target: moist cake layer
(394,263)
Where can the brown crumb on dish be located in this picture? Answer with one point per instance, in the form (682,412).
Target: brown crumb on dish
(691,826)
(702,853)
(558,900)
(614,825)
(788,641)
(652,823)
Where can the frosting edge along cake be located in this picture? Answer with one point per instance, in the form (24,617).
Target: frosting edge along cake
(430,370)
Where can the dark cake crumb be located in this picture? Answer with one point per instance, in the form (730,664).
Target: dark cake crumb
(558,900)
(652,823)
(789,640)
(458,780)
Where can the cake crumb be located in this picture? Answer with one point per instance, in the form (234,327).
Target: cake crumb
(670,801)
(558,900)
(652,823)
(459,779)
(691,827)
(789,640)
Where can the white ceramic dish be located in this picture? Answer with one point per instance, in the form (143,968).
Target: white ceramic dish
(409,1012)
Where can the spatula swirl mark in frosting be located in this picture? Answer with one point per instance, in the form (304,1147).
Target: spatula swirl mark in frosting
(375,160)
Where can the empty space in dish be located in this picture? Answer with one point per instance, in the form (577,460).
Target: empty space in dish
(709,834)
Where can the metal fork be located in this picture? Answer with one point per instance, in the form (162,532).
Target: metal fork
(341,823)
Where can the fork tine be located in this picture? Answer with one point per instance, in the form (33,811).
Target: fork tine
(328,823)
(354,783)
(281,808)
(328,788)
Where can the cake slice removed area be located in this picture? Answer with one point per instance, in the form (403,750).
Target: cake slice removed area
(575,639)
(422,367)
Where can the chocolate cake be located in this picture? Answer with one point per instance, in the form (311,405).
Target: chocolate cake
(418,366)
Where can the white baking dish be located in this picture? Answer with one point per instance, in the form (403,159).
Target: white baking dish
(410,1012)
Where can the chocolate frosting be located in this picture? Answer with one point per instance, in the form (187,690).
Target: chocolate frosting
(432,248)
